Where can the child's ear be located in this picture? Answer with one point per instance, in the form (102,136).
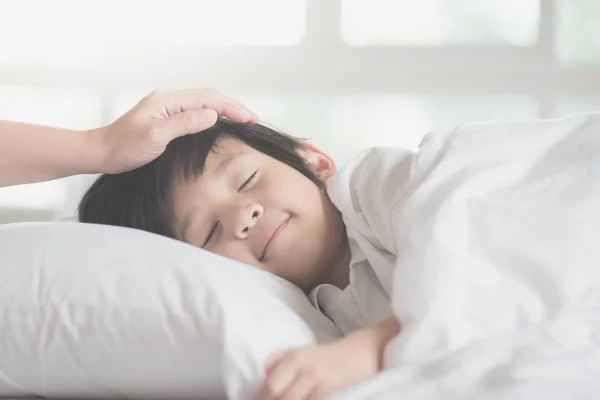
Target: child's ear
(318,161)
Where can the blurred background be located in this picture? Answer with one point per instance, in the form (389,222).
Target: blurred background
(346,74)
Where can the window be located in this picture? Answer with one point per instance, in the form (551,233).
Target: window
(578,32)
(344,74)
(440,22)
(76,33)
(571,106)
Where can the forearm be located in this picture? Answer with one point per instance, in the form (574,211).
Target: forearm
(33,153)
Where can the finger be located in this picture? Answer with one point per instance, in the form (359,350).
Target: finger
(254,117)
(317,393)
(274,359)
(194,100)
(186,123)
(278,380)
(229,99)
(301,389)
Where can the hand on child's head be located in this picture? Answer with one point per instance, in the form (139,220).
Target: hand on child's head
(244,191)
(143,133)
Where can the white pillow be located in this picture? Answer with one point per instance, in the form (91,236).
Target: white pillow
(100,311)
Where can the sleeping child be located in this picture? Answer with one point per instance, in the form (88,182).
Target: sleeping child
(264,198)
(483,247)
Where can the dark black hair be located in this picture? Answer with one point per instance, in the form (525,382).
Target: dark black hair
(142,198)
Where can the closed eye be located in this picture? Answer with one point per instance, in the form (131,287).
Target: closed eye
(210,235)
(248,181)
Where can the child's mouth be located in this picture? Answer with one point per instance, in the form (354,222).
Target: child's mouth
(273,236)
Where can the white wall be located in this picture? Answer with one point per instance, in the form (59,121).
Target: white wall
(346,74)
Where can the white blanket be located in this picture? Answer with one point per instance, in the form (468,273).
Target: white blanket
(496,282)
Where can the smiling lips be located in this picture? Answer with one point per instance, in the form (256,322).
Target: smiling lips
(272,237)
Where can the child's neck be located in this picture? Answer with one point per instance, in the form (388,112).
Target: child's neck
(339,273)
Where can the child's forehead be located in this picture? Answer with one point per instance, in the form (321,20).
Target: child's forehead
(229,147)
(224,153)
(229,144)
(230,151)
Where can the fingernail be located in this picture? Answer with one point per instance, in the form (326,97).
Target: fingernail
(249,112)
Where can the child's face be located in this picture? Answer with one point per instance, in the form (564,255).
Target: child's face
(252,208)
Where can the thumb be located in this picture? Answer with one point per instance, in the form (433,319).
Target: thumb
(187,122)
(274,359)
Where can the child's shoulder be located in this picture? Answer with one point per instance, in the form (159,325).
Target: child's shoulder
(374,179)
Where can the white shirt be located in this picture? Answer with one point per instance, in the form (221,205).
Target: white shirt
(365,191)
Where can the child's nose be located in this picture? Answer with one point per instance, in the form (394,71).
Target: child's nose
(247,219)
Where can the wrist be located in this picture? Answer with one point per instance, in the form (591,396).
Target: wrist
(95,150)
(374,339)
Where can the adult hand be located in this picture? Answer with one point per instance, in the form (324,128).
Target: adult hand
(143,133)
